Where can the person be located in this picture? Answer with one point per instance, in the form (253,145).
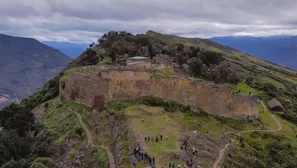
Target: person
(133,165)
(157,139)
(161,137)
(153,160)
(166,137)
(148,138)
(145,138)
(178,165)
(173,165)
(169,165)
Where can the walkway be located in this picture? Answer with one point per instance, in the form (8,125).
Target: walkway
(226,147)
(111,159)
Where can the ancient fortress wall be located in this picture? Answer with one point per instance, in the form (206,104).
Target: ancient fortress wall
(122,85)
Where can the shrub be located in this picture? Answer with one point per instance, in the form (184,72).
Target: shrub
(195,66)
(46,105)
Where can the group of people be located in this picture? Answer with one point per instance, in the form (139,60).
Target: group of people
(146,157)
(143,156)
(185,145)
(188,164)
(158,138)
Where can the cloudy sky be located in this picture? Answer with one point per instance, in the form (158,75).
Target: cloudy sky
(86,20)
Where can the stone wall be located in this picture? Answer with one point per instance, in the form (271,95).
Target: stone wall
(124,85)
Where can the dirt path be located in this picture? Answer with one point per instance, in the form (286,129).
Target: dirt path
(226,147)
(91,142)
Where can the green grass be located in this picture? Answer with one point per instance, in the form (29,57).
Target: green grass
(165,72)
(289,130)
(284,77)
(156,125)
(156,122)
(105,61)
(176,124)
(64,77)
(266,118)
(243,88)
(267,80)
(214,49)
(63,121)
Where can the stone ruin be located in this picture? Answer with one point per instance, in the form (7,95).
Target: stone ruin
(91,89)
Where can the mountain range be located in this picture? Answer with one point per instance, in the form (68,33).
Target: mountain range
(26,65)
(71,49)
(281,50)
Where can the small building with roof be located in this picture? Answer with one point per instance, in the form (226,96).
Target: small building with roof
(275,105)
(139,62)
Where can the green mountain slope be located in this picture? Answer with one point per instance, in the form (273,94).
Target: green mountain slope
(26,65)
(59,136)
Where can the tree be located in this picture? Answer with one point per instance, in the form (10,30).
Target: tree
(113,56)
(150,50)
(18,118)
(209,58)
(194,51)
(180,47)
(195,65)
(224,73)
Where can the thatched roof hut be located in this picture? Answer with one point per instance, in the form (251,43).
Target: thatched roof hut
(275,105)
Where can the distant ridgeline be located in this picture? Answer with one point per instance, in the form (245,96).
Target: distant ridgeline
(25,66)
(86,84)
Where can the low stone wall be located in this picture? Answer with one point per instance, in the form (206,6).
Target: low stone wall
(129,85)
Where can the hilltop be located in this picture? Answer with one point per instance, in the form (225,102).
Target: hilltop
(26,65)
(277,49)
(101,107)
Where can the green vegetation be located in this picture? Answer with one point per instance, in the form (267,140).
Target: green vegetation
(179,121)
(62,121)
(165,73)
(243,89)
(105,61)
(267,80)
(64,77)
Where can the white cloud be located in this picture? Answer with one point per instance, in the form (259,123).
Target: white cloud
(85,21)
